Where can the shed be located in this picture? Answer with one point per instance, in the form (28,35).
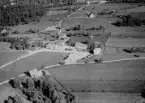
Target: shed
(91,15)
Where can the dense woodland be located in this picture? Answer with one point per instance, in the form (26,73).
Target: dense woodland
(41,90)
(14,12)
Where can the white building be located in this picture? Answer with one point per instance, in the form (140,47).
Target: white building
(36,73)
(97,51)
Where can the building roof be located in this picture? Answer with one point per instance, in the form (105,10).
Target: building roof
(91,14)
(80,45)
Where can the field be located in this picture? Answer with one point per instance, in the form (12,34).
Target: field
(34,61)
(113,6)
(125,42)
(9,56)
(116,82)
(123,70)
(4,46)
(126,76)
(85,22)
(103,97)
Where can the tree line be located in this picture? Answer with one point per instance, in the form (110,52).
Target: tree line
(18,43)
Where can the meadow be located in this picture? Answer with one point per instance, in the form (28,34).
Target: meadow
(104,97)
(123,76)
(123,70)
(34,61)
(4,46)
(125,42)
(9,56)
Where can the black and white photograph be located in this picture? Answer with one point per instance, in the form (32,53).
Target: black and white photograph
(72,51)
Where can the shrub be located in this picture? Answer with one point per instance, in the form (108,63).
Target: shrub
(15,83)
(13,99)
(16,32)
(99,60)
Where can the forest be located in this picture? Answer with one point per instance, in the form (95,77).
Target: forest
(25,11)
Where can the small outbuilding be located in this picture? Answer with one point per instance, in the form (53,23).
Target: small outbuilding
(97,51)
(91,15)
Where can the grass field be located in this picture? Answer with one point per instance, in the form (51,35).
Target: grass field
(123,70)
(124,76)
(103,97)
(34,61)
(112,6)
(4,46)
(104,86)
(85,22)
(9,56)
(125,42)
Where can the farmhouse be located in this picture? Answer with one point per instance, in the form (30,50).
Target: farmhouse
(80,46)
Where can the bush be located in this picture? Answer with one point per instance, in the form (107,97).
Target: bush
(16,32)
(13,99)
(16,83)
(98,60)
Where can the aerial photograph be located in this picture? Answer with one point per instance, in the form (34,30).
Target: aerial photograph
(72,51)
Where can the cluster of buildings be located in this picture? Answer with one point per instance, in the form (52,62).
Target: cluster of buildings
(61,45)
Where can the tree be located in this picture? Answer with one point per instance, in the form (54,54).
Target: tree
(16,83)
(14,99)
(91,48)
